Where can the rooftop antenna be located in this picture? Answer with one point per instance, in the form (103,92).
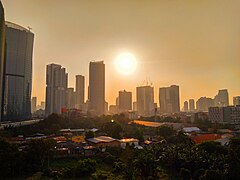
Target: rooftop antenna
(29,28)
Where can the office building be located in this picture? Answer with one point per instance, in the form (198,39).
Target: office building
(145,100)
(185,107)
(96,88)
(70,101)
(18,72)
(57,83)
(80,88)
(2,57)
(191,105)
(228,114)
(204,103)
(134,106)
(42,105)
(236,101)
(169,99)
(221,99)
(34,104)
(124,101)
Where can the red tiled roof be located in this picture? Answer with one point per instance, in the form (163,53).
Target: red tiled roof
(206,137)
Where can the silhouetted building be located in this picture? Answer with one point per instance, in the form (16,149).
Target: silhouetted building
(236,101)
(134,106)
(2,57)
(204,103)
(96,88)
(125,101)
(145,100)
(228,114)
(221,99)
(80,88)
(34,104)
(185,107)
(113,109)
(70,101)
(57,82)
(18,73)
(169,99)
(191,105)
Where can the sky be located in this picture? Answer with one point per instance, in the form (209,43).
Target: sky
(191,43)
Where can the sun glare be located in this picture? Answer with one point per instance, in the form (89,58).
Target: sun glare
(125,63)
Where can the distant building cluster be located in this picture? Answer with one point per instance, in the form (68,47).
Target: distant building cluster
(17,103)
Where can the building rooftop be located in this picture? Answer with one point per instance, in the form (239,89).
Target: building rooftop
(101,139)
(16,26)
(126,140)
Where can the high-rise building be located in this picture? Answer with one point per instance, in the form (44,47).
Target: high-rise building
(42,106)
(221,99)
(80,87)
(70,101)
(96,88)
(191,105)
(2,57)
(34,104)
(125,101)
(228,114)
(57,83)
(185,107)
(145,100)
(18,72)
(134,106)
(204,103)
(236,101)
(169,99)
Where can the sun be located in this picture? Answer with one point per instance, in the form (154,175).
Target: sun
(125,63)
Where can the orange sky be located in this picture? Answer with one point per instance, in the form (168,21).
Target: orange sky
(194,44)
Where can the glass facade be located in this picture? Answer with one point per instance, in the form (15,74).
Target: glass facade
(18,74)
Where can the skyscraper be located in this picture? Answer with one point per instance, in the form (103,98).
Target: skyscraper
(191,105)
(125,101)
(204,103)
(97,88)
(145,100)
(57,82)
(185,107)
(71,97)
(34,104)
(169,99)
(221,99)
(2,57)
(80,87)
(236,101)
(18,73)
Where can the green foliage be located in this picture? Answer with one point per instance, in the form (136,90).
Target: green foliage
(165,131)
(85,167)
(113,129)
(89,134)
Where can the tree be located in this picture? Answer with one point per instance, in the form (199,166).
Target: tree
(165,131)
(89,134)
(85,167)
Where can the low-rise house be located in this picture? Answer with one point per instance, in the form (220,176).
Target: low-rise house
(206,137)
(129,141)
(103,142)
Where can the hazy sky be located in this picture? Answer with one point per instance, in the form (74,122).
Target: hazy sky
(192,43)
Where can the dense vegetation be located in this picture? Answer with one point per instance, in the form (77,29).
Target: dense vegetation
(175,156)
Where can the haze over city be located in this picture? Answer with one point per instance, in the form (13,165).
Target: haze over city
(194,44)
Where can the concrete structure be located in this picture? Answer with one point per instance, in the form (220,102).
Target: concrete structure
(34,104)
(113,109)
(229,114)
(18,72)
(134,106)
(145,100)
(185,107)
(2,57)
(169,99)
(221,99)
(124,101)
(80,88)
(71,96)
(96,88)
(57,82)
(191,105)
(204,103)
(236,101)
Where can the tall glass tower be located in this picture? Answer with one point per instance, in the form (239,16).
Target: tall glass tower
(18,74)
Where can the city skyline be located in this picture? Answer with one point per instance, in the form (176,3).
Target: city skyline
(190,52)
